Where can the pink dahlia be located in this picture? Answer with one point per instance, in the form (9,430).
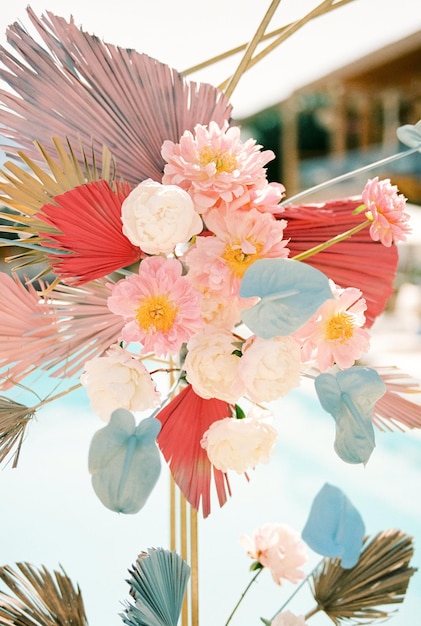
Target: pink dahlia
(335,333)
(385,207)
(213,164)
(159,306)
(241,238)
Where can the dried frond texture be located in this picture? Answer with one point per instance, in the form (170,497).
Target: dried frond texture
(101,93)
(14,418)
(356,262)
(363,593)
(56,333)
(40,598)
(184,421)
(395,410)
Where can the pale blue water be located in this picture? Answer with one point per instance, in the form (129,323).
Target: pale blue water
(50,515)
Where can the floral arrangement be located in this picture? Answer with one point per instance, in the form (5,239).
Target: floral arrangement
(163,272)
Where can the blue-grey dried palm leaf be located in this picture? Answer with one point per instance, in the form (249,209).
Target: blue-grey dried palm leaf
(124,461)
(158,584)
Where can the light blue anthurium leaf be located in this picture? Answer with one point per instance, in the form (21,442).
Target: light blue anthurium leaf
(290,293)
(410,135)
(350,397)
(124,461)
(158,585)
(334,527)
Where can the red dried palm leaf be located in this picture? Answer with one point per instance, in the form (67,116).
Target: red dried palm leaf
(89,231)
(356,262)
(113,96)
(184,421)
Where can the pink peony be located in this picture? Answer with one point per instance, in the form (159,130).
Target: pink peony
(335,334)
(160,308)
(385,207)
(219,263)
(279,548)
(213,164)
(286,618)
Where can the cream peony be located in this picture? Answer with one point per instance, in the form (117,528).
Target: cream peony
(158,217)
(240,444)
(279,548)
(270,368)
(211,366)
(118,381)
(287,618)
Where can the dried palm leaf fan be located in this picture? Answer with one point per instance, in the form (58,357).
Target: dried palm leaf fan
(101,93)
(40,598)
(363,594)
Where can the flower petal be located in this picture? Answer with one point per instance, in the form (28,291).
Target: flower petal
(290,293)
(334,527)
(350,397)
(124,462)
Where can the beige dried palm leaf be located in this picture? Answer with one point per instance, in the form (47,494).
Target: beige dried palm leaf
(363,594)
(40,598)
(14,418)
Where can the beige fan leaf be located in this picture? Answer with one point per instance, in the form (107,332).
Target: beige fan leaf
(363,594)
(14,418)
(40,598)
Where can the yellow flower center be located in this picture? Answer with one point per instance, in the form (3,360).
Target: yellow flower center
(223,161)
(339,328)
(156,311)
(238,260)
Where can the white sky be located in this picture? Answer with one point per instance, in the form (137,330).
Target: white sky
(48,511)
(185,32)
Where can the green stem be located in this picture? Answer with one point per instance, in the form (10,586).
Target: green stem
(331,242)
(243,595)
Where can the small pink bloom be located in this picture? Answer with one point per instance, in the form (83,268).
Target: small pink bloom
(279,548)
(286,618)
(241,238)
(160,308)
(385,207)
(213,164)
(334,334)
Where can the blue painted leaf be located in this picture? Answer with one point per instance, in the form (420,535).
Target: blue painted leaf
(290,292)
(124,461)
(158,584)
(334,527)
(410,135)
(350,397)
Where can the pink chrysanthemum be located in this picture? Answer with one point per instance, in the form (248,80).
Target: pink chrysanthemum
(335,333)
(213,164)
(385,207)
(241,238)
(265,199)
(160,307)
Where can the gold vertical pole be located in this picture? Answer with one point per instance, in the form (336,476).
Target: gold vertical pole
(184,539)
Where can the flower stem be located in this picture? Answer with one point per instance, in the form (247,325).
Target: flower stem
(331,242)
(312,612)
(243,595)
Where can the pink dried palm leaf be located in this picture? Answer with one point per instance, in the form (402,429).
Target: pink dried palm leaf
(57,332)
(184,421)
(355,262)
(89,231)
(395,409)
(77,86)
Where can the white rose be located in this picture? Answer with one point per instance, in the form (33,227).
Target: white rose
(240,444)
(118,381)
(270,368)
(158,217)
(211,366)
(288,619)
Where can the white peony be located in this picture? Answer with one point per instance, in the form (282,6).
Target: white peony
(270,368)
(118,381)
(158,217)
(240,444)
(211,366)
